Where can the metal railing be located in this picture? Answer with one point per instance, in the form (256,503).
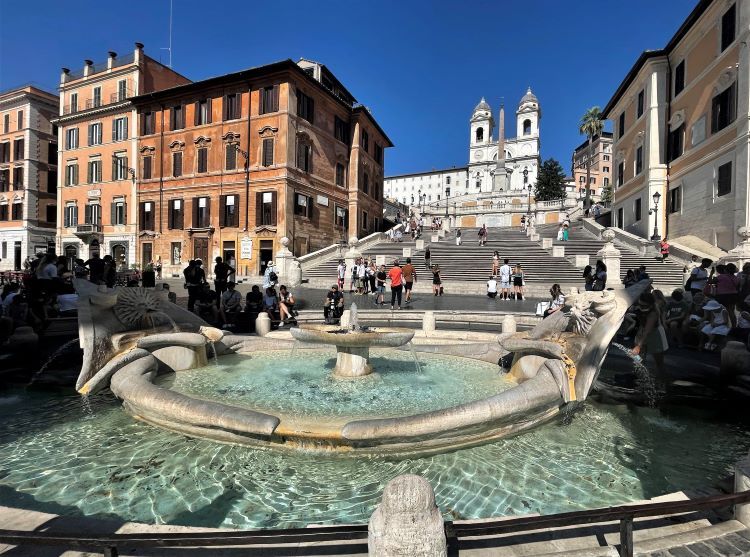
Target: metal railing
(624,514)
(88,228)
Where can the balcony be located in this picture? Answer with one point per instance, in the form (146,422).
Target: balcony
(87,232)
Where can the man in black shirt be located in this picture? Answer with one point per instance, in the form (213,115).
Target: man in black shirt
(221,274)
(96,268)
(334,305)
(194,279)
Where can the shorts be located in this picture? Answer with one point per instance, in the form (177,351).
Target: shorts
(381,288)
(408,286)
(504,284)
(517,281)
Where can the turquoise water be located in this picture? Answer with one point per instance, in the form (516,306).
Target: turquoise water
(304,385)
(57,458)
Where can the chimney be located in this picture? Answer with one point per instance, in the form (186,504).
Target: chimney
(64,75)
(138,53)
(87,67)
(111,59)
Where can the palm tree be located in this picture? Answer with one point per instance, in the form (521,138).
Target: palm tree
(591,125)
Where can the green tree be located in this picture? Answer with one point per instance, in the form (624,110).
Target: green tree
(591,126)
(550,181)
(607,197)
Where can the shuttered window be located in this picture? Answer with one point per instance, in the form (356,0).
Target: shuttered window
(305,107)
(94,173)
(119,212)
(724,179)
(267,152)
(147,215)
(231,156)
(265,208)
(147,123)
(177,118)
(232,106)
(230,214)
(202,112)
(147,167)
(95,134)
(177,164)
(201,212)
(303,205)
(340,130)
(202,160)
(340,174)
(18,178)
(176,216)
(120,129)
(269,99)
(304,156)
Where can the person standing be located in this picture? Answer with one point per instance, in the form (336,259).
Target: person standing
(523,223)
(560,233)
(269,276)
(698,278)
(194,277)
(410,277)
(664,249)
(341,274)
(380,279)
(372,271)
(362,277)
(495,262)
(458,236)
(437,282)
(427,257)
(518,282)
(727,289)
(505,273)
(396,276)
(566,232)
(221,276)
(95,266)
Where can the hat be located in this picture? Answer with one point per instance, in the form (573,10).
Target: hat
(712,305)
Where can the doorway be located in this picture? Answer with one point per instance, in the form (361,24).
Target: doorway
(228,254)
(120,255)
(17,256)
(266,254)
(200,250)
(147,254)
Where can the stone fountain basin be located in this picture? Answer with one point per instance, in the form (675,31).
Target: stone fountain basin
(334,335)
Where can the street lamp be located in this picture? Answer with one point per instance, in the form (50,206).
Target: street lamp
(527,186)
(655,211)
(447,195)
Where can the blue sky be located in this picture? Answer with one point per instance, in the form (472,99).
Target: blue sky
(421,67)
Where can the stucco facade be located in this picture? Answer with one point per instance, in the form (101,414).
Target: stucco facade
(602,161)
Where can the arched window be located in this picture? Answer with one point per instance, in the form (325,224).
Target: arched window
(527,127)
(71,251)
(480,134)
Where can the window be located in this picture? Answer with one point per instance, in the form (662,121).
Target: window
(620,174)
(724,108)
(479,183)
(148,161)
(70,216)
(365,182)
(177,118)
(728,24)
(605,169)
(606,157)
(230,158)
(3,212)
(122,90)
(582,179)
(18,178)
(304,156)
(95,134)
(71,174)
(202,160)
(606,182)
(17,211)
(202,112)
(621,217)
(305,107)
(176,215)
(71,138)
(341,218)
(5,151)
(119,167)
(19,120)
(639,160)
(592,180)
(147,123)
(177,164)
(19,149)
(94,174)
(201,212)
(675,200)
(621,125)
(51,213)
(303,205)
(363,222)
(232,106)
(176,253)
(267,152)
(97,100)
(724,179)
(269,100)
(365,141)
(92,214)
(230,214)
(641,100)
(120,129)
(448,180)
(265,208)
(378,153)
(119,214)
(527,127)
(340,175)
(147,215)
(679,78)
(52,181)
(675,143)
(340,130)
(73,102)
(637,209)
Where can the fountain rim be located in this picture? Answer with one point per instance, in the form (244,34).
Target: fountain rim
(339,336)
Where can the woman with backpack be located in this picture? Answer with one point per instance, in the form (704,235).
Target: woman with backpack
(600,276)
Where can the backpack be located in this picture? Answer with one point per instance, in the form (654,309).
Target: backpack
(273,277)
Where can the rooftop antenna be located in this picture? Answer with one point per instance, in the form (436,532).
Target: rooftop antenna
(169,48)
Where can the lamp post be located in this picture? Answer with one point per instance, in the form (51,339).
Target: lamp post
(655,211)
(447,195)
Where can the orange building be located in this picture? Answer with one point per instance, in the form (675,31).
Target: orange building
(229,165)
(600,174)
(28,174)
(98,142)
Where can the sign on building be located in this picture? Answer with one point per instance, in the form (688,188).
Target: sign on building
(246,248)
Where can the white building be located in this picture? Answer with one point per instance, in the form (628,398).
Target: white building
(521,153)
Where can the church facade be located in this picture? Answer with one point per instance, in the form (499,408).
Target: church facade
(497,166)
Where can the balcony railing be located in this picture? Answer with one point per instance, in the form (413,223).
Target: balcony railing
(88,228)
(115,97)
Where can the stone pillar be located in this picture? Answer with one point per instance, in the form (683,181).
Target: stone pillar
(428,322)
(581,260)
(407,521)
(610,256)
(509,324)
(558,251)
(287,266)
(435,238)
(741,483)
(740,254)
(351,255)
(547,243)
(420,244)
(262,324)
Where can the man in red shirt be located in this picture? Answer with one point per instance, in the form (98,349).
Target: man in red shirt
(396,277)
(410,277)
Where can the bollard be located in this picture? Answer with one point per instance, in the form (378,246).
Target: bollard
(407,521)
(547,243)
(558,251)
(420,244)
(262,324)
(509,324)
(428,322)
(581,261)
(434,238)
(405,252)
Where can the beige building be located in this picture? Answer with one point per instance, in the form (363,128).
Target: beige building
(600,174)
(681,131)
(28,174)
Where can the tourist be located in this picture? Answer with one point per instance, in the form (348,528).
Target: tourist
(691,325)
(67,301)
(334,305)
(523,223)
(698,277)
(286,305)
(458,236)
(270,278)
(10,291)
(194,279)
(675,314)
(380,279)
(483,235)
(688,269)
(651,337)
(715,324)
(231,303)
(741,332)
(628,281)
(271,303)
(560,233)
(518,282)
(664,249)
(495,263)
(492,287)
(588,278)
(361,276)
(205,306)
(744,282)
(557,300)
(95,265)
(254,300)
(221,276)
(341,274)
(597,211)
(727,288)
(396,276)
(505,272)
(642,274)
(566,220)
(109,274)
(437,282)
(427,257)
(372,271)
(410,277)
(600,276)
(353,276)
(566,232)
(157,267)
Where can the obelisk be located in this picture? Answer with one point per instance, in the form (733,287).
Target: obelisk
(500,180)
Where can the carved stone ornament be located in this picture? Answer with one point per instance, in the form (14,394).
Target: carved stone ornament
(202,141)
(147,149)
(231,137)
(267,131)
(727,77)
(134,306)
(177,145)
(678,118)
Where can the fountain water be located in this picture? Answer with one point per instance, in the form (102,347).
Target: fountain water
(86,406)
(414,355)
(643,378)
(354,320)
(54,355)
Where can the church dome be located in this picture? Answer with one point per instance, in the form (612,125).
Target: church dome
(482,106)
(529,97)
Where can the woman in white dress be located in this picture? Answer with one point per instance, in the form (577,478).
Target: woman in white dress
(716,324)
